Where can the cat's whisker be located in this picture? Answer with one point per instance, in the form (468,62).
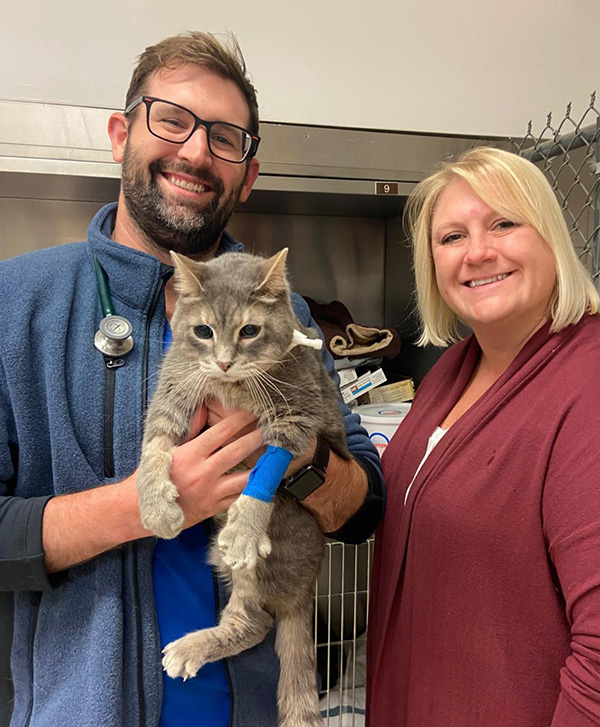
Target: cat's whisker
(258,397)
(190,374)
(265,381)
(175,367)
(272,381)
(190,386)
(199,391)
(263,403)
(274,361)
(266,400)
(279,381)
(249,307)
(182,365)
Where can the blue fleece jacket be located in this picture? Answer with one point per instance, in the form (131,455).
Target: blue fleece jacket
(85,646)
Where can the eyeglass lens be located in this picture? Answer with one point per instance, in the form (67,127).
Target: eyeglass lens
(176,124)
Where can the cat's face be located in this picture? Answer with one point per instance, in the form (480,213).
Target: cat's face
(233,318)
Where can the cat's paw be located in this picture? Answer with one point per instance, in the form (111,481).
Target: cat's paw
(159,510)
(167,523)
(301,720)
(183,658)
(244,538)
(240,551)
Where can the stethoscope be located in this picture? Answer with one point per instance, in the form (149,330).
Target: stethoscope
(113,338)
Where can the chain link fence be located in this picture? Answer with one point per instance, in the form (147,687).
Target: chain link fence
(568,154)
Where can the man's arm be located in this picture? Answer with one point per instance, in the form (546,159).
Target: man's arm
(54,534)
(340,496)
(80,526)
(21,555)
(351,501)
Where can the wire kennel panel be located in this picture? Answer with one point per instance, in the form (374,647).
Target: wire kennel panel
(341,615)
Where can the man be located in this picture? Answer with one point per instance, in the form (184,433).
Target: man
(95,599)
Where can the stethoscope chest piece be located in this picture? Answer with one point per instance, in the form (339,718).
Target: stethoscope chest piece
(113,338)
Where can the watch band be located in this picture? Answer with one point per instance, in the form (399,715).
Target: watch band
(311,477)
(321,455)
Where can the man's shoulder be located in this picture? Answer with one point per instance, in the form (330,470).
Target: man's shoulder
(31,281)
(300,308)
(40,266)
(54,254)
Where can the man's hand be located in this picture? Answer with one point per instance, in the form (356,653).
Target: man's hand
(79,526)
(217,412)
(340,496)
(200,465)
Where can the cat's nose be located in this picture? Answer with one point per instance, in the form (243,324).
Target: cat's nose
(224,365)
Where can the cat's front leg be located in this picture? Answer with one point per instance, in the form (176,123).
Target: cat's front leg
(243,539)
(157,494)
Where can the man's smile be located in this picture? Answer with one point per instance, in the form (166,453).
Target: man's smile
(187,183)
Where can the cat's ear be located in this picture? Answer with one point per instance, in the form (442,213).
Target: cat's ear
(275,281)
(188,274)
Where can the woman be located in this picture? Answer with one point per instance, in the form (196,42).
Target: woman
(486,607)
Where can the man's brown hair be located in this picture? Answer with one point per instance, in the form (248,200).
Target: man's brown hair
(202,49)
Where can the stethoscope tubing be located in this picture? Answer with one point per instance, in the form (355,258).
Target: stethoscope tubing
(113,338)
(103,289)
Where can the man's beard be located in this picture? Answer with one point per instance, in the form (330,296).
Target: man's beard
(181,226)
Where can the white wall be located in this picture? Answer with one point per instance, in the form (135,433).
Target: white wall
(467,66)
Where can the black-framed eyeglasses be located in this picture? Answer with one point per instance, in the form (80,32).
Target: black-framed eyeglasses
(171,122)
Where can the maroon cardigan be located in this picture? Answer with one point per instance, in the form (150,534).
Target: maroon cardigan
(486,587)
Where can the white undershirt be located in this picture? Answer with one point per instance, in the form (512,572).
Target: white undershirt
(433,440)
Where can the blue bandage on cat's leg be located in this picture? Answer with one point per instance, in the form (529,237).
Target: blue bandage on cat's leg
(267,474)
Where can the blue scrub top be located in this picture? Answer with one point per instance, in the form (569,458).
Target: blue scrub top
(184,592)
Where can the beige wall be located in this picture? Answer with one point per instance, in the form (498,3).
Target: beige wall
(467,66)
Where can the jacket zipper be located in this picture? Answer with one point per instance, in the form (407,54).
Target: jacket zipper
(38,598)
(112,364)
(145,362)
(109,387)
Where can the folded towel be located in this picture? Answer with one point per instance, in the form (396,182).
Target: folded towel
(343,337)
(344,706)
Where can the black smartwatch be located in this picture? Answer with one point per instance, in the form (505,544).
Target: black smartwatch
(311,477)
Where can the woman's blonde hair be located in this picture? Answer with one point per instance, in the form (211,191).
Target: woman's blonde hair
(517,189)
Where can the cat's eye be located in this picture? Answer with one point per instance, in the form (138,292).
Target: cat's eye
(249,331)
(203,331)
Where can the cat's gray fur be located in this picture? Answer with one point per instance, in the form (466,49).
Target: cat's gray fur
(269,553)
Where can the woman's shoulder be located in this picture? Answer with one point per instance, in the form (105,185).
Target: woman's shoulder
(453,359)
(453,363)
(581,357)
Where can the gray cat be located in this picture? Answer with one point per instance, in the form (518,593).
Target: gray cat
(233,332)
